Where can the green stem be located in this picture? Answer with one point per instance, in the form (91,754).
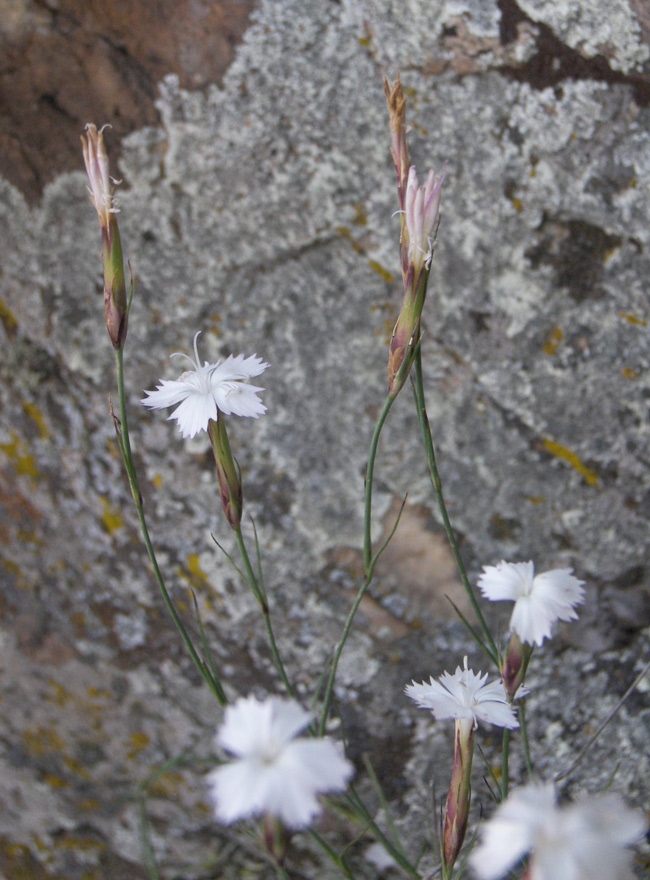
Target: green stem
(524,737)
(369,561)
(505,775)
(125,447)
(427,439)
(260,594)
(370,471)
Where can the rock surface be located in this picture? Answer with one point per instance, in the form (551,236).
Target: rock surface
(259,211)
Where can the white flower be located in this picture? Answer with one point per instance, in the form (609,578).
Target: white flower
(539,600)
(465,696)
(422,207)
(582,841)
(273,772)
(209,389)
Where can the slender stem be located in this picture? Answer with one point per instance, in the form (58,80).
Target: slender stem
(368,483)
(369,561)
(524,737)
(505,774)
(603,725)
(125,446)
(437,487)
(260,594)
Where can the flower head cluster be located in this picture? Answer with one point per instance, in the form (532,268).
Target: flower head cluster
(205,391)
(274,773)
(465,696)
(422,209)
(539,600)
(582,841)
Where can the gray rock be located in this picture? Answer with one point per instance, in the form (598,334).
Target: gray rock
(261,213)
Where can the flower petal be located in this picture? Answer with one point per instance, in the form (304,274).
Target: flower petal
(507,580)
(194,413)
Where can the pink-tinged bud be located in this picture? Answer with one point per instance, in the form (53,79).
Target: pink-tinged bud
(515,664)
(422,209)
(227,471)
(96,160)
(458,799)
(101,194)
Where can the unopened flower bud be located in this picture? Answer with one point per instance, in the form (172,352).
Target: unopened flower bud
(101,194)
(515,664)
(458,799)
(227,472)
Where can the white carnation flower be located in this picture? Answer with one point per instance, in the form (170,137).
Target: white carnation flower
(581,841)
(539,599)
(465,696)
(208,390)
(274,773)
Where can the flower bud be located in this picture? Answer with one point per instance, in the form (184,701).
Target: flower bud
(101,194)
(458,799)
(515,664)
(227,471)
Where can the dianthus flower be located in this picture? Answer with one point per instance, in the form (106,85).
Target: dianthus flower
(466,697)
(206,391)
(539,600)
(581,841)
(274,774)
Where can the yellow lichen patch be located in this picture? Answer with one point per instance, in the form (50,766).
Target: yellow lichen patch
(553,339)
(632,319)
(111,518)
(215,321)
(93,691)
(79,844)
(59,696)
(42,741)
(75,766)
(167,786)
(559,451)
(360,218)
(379,269)
(517,204)
(344,232)
(29,537)
(194,574)
(7,318)
(17,453)
(36,416)
(630,373)
(88,804)
(55,781)
(139,742)
(157,480)
(14,569)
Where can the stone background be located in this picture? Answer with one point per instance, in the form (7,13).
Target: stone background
(257,202)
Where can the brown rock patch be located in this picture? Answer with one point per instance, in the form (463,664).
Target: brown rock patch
(67,62)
